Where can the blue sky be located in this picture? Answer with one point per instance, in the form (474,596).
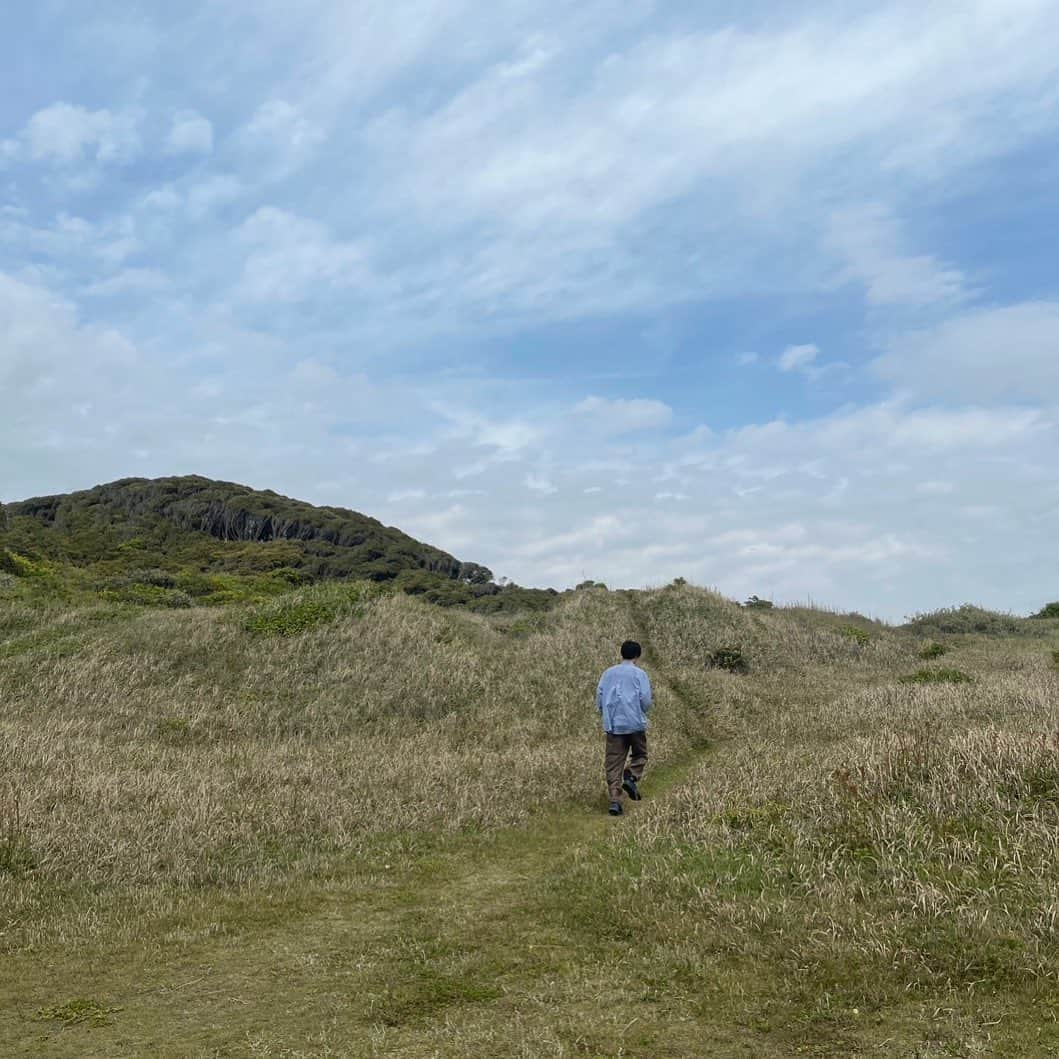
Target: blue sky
(761,295)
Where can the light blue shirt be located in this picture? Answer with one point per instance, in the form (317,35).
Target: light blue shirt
(623,699)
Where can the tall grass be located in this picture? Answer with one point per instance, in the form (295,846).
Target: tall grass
(849,842)
(203,747)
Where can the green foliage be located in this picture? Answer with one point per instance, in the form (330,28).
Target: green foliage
(300,611)
(857,635)
(968,619)
(145,595)
(755,603)
(730,659)
(1049,610)
(589,584)
(1055,658)
(20,566)
(937,676)
(191,541)
(933,650)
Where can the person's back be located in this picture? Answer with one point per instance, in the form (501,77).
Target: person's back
(623,697)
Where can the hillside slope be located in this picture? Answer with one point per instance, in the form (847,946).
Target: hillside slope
(344,823)
(197,520)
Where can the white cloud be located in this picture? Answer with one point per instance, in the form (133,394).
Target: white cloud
(987,354)
(164,199)
(210,193)
(292,258)
(130,281)
(868,238)
(624,415)
(798,358)
(279,134)
(190,133)
(68,133)
(540,483)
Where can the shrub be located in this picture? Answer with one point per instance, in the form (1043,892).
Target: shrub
(155,577)
(297,612)
(20,566)
(967,619)
(1049,610)
(148,596)
(754,603)
(937,676)
(851,632)
(729,659)
(933,650)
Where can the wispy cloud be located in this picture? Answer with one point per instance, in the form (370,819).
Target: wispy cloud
(798,358)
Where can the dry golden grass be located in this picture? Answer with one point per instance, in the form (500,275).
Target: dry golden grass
(391,825)
(177,748)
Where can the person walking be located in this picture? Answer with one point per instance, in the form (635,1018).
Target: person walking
(623,698)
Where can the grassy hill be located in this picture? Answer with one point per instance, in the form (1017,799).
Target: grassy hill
(341,822)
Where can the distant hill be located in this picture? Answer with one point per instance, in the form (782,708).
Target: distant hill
(147,529)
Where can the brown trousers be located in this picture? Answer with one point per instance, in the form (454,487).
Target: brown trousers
(619,747)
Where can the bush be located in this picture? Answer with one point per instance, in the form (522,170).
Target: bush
(297,612)
(937,676)
(729,659)
(967,619)
(851,632)
(141,595)
(933,650)
(20,566)
(153,576)
(1049,610)
(754,603)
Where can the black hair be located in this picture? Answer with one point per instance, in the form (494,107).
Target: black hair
(630,650)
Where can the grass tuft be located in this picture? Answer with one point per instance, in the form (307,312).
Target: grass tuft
(942,675)
(932,650)
(79,1011)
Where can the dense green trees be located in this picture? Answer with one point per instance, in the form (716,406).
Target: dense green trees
(178,541)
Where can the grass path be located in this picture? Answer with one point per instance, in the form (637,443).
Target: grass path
(436,949)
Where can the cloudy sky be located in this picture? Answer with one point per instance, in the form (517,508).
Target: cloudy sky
(763,295)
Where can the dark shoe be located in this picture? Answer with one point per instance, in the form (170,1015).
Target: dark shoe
(629,786)
(615,809)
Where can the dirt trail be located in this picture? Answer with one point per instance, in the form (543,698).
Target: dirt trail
(438,954)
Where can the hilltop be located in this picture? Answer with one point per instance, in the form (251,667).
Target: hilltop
(180,540)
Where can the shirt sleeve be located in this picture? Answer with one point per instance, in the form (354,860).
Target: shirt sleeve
(646,695)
